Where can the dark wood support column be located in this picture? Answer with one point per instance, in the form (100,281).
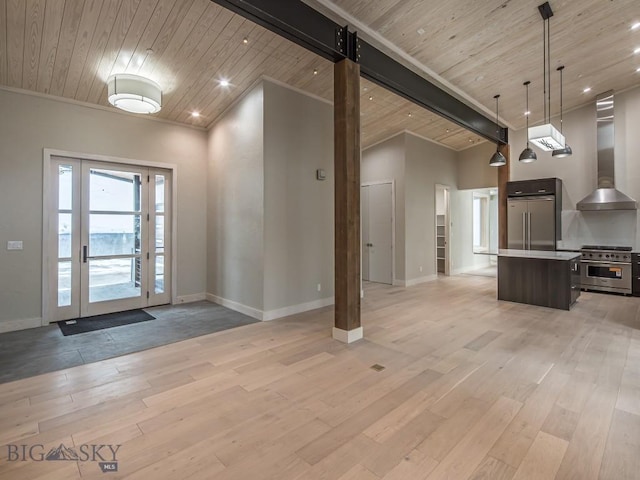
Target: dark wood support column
(504,173)
(347,200)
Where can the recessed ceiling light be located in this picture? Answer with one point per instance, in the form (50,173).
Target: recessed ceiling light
(370,97)
(448,130)
(315,71)
(635,26)
(224,83)
(245,40)
(638,69)
(195,114)
(421,31)
(365,89)
(527,113)
(586,90)
(636,51)
(410,114)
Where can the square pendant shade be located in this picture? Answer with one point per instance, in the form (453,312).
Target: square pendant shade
(546,137)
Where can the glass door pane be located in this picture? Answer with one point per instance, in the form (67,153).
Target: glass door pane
(114,229)
(159,237)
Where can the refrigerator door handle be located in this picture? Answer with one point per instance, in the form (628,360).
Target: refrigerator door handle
(529,229)
(524,230)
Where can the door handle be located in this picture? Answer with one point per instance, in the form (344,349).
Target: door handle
(85,253)
(524,230)
(529,229)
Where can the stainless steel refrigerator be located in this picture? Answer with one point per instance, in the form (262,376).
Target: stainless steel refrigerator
(531,223)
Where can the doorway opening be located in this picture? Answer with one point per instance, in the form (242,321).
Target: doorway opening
(108,238)
(442,228)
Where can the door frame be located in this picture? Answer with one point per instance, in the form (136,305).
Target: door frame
(447,230)
(393,228)
(46,217)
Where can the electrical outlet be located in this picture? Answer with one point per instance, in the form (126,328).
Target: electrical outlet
(319,287)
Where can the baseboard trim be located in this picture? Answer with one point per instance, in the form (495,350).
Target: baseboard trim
(238,307)
(295,309)
(399,283)
(419,280)
(194,297)
(19,324)
(348,336)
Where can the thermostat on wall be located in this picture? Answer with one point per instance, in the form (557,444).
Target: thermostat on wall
(320,175)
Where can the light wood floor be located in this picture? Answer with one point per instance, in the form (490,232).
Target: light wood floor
(472,388)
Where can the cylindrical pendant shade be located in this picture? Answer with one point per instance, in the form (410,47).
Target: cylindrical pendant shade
(134,94)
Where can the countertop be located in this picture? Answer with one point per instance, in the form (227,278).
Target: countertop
(541,254)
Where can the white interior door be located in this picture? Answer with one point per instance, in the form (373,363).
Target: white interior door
(379,233)
(111,237)
(364,215)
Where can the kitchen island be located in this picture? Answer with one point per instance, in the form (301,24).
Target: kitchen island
(536,277)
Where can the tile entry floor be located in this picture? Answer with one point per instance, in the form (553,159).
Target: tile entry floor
(27,353)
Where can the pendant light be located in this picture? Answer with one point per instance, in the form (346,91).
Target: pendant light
(527,155)
(566,151)
(546,136)
(134,94)
(497,160)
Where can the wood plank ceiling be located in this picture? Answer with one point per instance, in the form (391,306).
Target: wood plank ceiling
(68,48)
(493,46)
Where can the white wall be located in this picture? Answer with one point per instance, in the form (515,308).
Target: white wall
(386,161)
(298,209)
(235,204)
(579,173)
(28,124)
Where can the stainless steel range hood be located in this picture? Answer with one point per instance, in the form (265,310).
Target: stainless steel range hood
(606,197)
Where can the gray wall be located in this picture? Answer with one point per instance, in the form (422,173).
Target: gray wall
(298,209)
(427,164)
(417,165)
(473,167)
(27,125)
(579,176)
(386,161)
(235,259)
(270,237)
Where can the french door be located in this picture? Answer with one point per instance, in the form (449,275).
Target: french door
(109,237)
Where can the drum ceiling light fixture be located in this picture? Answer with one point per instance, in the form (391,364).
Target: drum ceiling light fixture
(134,94)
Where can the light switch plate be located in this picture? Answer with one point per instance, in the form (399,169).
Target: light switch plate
(14,245)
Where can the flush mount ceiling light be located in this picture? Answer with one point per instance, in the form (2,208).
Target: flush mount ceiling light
(527,155)
(566,150)
(498,159)
(546,137)
(134,94)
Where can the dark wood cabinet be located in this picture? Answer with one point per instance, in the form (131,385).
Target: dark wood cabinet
(635,272)
(538,281)
(540,186)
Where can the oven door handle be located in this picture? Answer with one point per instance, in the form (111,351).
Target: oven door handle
(604,262)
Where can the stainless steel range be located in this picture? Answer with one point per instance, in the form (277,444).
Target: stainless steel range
(606,269)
